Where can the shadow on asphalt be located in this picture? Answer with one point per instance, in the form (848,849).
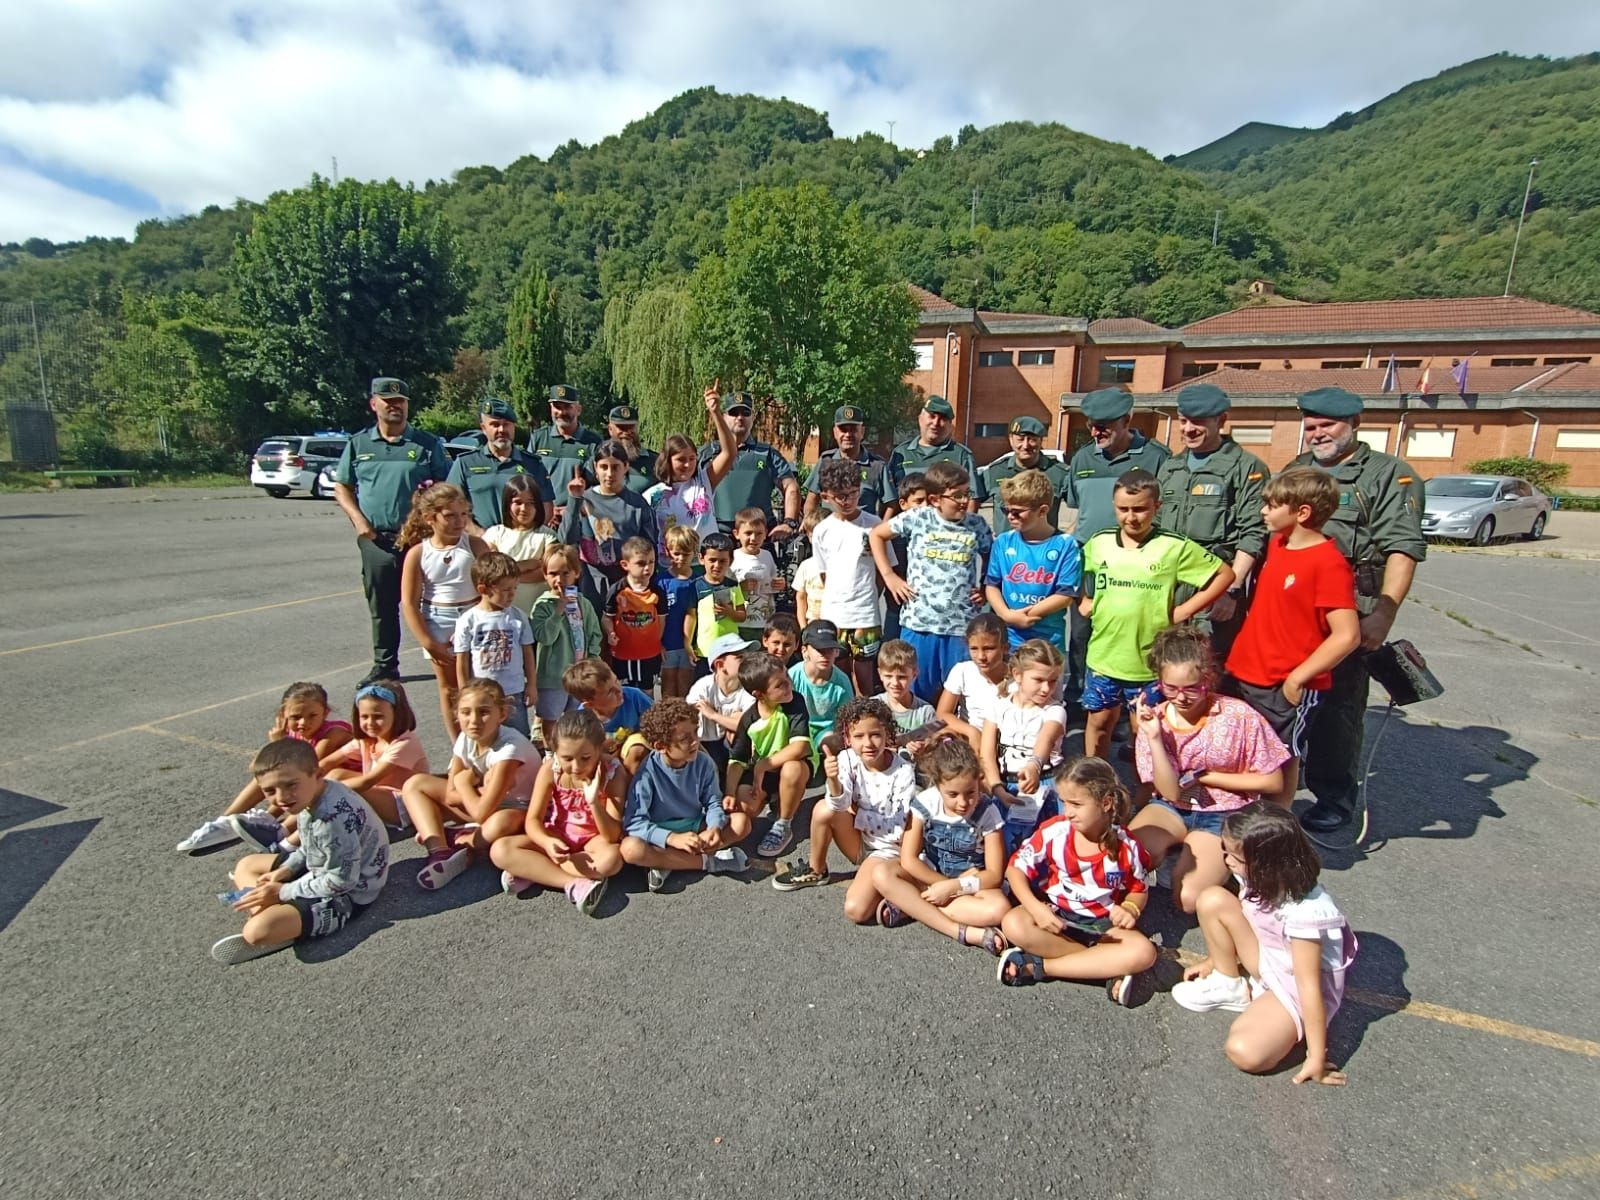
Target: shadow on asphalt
(29,857)
(403,900)
(17,809)
(41,517)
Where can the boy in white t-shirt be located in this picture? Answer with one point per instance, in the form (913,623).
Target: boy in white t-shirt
(494,639)
(850,576)
(720,700)
(755,570)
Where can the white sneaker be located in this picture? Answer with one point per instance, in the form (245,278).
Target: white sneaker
(212,833)
(657,878)
(1213,991)
(233,949)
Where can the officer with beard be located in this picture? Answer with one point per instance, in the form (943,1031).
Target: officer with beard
(481,475)
(622,425)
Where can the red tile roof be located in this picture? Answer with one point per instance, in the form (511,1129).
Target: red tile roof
(1476,312)
(929,302)
(1112,326)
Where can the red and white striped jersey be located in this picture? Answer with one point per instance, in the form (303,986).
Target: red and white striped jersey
(1085,885)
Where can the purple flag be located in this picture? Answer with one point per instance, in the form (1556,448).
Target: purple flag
(1459,374)
(1391,376)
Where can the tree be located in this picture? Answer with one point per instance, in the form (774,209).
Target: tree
(533,354)
(650,341)
(803,307)
(342,282)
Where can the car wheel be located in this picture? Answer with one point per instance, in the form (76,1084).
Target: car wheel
(1537,532)
(1484,533)
(278,493)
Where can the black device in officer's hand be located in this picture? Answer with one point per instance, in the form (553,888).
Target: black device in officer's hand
(1403,672)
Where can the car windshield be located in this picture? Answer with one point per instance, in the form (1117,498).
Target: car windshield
(1457,485)
(273,449)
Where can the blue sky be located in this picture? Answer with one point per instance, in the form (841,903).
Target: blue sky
(114,111)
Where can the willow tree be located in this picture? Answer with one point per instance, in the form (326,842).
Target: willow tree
(534,354)
(649,338)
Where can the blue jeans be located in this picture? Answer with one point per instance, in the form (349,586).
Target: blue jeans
(937,654)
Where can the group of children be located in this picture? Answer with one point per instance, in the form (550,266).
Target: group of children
(937,755)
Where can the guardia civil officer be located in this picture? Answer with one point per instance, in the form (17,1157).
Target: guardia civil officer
(758,470)
(1211,493)
(1378,528)
(1026,435)
(849,437)
(377,473)
(482,474)
(935,442)
(564,446)
(622,424)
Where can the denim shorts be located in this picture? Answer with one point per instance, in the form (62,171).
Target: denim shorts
(441,618)
(675,660)
(1101,692)
(552,702)
(1196,820)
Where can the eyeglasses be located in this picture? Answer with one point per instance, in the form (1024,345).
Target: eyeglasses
(963,497)
(1196,689)
(1017,513)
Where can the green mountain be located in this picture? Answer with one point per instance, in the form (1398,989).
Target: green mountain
(1233,148)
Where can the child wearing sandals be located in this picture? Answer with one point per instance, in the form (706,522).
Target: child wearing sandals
(436,580)
(863,810)
(391,752)
(1080,888)
(1021,742)
(487,790)
(573,834)
(952,856)
(1286,933)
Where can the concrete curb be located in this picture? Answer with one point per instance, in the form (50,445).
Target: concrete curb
(1532,550)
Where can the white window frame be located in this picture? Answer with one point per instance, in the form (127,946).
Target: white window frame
(1430,443)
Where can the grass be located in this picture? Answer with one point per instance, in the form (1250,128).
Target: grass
(34,481)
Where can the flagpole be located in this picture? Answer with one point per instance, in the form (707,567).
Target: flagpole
(1521,217)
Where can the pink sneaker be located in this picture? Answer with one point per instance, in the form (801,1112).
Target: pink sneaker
(586,894)
(513,886)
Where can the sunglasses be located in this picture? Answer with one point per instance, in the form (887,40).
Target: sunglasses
(1017,513)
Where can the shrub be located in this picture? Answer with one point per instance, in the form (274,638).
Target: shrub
(1543,475)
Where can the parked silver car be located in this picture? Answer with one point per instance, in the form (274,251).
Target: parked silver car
(1480,508)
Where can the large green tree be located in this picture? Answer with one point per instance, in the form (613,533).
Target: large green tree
(803,307)
(534,355)
(341,282)
(649,338)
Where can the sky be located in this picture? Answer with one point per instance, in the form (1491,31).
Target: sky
(116,111)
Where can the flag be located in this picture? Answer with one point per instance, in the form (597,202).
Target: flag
(1391,380)
(1422,384)
(1367,366)
(1459,374)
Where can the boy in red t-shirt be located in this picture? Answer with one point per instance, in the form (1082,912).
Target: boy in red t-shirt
(1302,620)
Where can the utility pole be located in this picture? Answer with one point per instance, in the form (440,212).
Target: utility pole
(1521,217)
(892,124)
(1216,224)
(335,170)
(974,224)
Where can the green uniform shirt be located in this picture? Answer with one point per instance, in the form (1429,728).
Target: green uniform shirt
(1133,594)
(642,471)
(384,474)
(564,457)
(483,477)
(1093,477)
(756,473)
(874,479)
(1218,502)
(1006,466)
(1379,514)
(914,456)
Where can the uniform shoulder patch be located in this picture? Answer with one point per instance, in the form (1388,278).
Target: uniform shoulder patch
(1255,475)
(1403,480)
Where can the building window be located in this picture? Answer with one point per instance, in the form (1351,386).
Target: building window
(1251,435)
(1406,362)
(1342,364)
(1195,370)
(1511,362)
(1116,370)
(1243,366)
(1431,443)
(986,429)
(1378,439)
(1578,439)
(1562,361)
(994,358)
(1036,358)
(924,353)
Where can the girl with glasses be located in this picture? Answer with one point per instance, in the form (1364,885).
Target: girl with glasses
(1205,755)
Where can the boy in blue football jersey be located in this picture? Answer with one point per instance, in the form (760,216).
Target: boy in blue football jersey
(1035,571)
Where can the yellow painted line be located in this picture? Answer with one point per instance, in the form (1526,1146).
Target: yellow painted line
(1406,1006)
(189,739)
(238,612)
(1512,1181)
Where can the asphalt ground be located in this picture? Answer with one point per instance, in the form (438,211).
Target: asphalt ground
(721,1038)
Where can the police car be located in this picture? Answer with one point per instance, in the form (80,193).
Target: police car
(292,462)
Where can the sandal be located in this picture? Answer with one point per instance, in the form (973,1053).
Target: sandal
(1026,969)
(992,940)
(891,917)
(1120,990)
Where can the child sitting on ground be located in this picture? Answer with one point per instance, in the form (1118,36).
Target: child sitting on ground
(676,818)
(1079,883)
(493,640)
(719,699)
(825,690)
(863,810)
(973,688)
(897,667)
(596,687)
(676,581)
(634,617)
(565,630)
(773,744)
(391,752)
(338,869)
(487,789)
(1022,739)
(572,838)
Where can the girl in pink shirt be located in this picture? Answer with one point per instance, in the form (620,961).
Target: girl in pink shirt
(390,751)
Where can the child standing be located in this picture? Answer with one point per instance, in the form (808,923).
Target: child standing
(897,667)
(682,499)
(850,590)
(756,571)
(391,752)
(338,869)
(720,700)
(869,790)
(523,536)
(952,857)
(1136,568)
(635,615)
(1022,739)
(436,580)
(945,551)
(973,688)
(572,838)
(808,582)
(912,493)
(676,582)
(565,630)
(621,709)
(487,790)
(600,519)
(773,743)
(1079,883)
(494,639)
(1286,933)
(1035,570)
(1302,621)
(676,818)
(1207,755)
(719,604)
(825,690)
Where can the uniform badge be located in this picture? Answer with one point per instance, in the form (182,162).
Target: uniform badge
(412,453)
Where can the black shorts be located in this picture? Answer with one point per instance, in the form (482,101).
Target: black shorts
(638,672)
(325,915)
(1289,721)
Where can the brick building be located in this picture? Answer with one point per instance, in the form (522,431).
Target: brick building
(1533,382)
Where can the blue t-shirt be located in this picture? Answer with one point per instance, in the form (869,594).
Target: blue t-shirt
(1026,572)
(944,565)
(823,700)
(626,719)
(680,599)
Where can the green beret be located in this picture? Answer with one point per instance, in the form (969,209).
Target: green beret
(735,400)
(1107,404)
(849,415)
(1203,400)
(493,406)
(624,414)
(387,385)
(1332,402)
(1028,424)
(563,393)
(938,406)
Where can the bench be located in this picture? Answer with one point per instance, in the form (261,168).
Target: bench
(116,478)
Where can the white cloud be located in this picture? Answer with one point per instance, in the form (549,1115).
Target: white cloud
(195,105)
(34,206)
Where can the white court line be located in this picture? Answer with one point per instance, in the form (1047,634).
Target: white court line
(1510,612)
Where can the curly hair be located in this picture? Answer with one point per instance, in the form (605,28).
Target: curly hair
(948,758)
(661,720)
(860,708)
(839,476)
(1182,646)
(429,499)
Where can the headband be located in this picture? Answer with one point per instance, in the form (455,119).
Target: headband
(373,689)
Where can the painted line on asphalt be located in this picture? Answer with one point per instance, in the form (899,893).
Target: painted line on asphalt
(1510,612)
(238,612)
(1406,1006)
(1511,1181)
(189,739)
